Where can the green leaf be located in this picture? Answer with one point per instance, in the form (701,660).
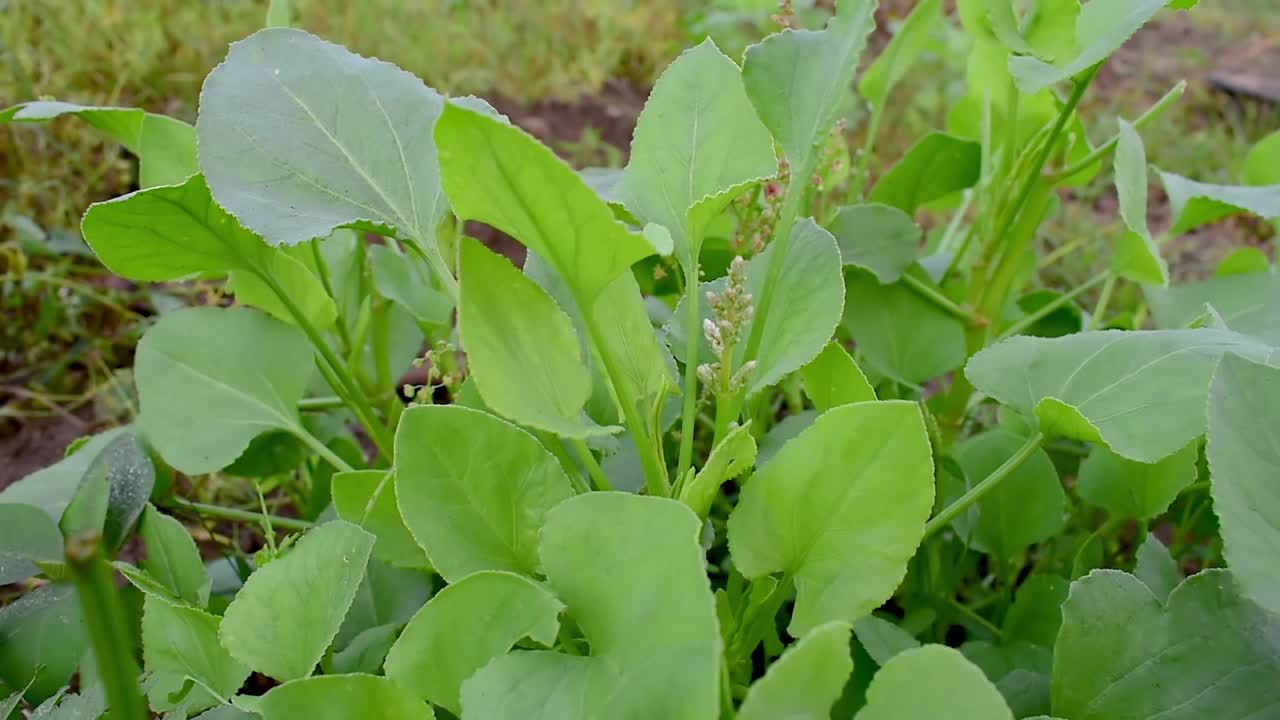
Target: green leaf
(474,490)
(1243,261)
(806,681)
(833,379)
(1129,489)
(882,639)
(333,139)
(243,370)
(1122,654)
(366,651)
(732,456)
(1244,452)
(604,553)
(1100,30)
(697,143)
(908,43)
(840,509)
(172,558)
(933,681)
(878,238)
(42,636)
(341,697)
(798,79)
(1193,204)
(464,627)
(1248,304)
(112,493)
(500,175)
(368,498)
(386,596)
(936,166)
(1136,257)
(51,489)
(166,148)
(1027,507)
(898,332)
(1141,393)
(1156,568)
(295,281)
(1262,163)
(406,280)
(508,324)
(180,642)
(1036,613)
(288,611)
(27,536)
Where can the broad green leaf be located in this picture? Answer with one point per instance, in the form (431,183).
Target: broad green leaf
(51,489)
(898,332)
(1131,489)
(368,498)
(1244,453)
(386,596)
(798,79)
(405,279)
(840,509)
(42,636)
(333,139)
(172,558)
(731,457)
(833,379)
(464,627)
(341,697)
(1156,568)
(180,642)
(289,610)
(166,148)
(806,681)
(879,79)
(295,281)
(1101,29)
(1141,393)
(112,493)
(1243,261)
(1193,204)
(1262,163)
(508,325)
(882,639)
(878,238)
(1248,304)
(244,371)
(933,681)
(604,553)
(474,490)
(1036,613)
(366,651)
(90,704)
(1208,653)
(697,142)
(27,536)
(1136,257)
(270,454)
(936,166)
(500,175)
(1027,507)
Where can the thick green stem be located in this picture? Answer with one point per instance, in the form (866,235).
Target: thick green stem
(979,491)
(244,516)
(1040,314)
(108,630)
(322,450)
(589,461)
(693,330)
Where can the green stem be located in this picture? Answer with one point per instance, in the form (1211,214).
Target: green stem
(1102,151)
(953,227)
(970,617)
(1040,314)
(928,292)
(322,450)
(435,260)
(693,331)
(321,403)
(858,184)
(1062,252)
(756,620)
(552,443)
(1100,311)
(226,513)
(108,630)
(977,492)
(593,467)
(322,268)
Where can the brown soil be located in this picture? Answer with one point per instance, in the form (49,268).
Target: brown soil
(39,444)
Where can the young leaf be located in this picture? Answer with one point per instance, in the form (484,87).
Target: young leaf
(1129,489)
(474,490)
(1036,613)
(341,697)
(333,139)
(806,681)
(1193,204)
(604,553)
(296,282)
(1262,163)
(730,458)
(464,627)
(932,681)
(1248,304)
(27,536)
(833,379)
(840,509)
(1156,568)
(406,280)
(172,559)
(1122,653)
(42,639)
(697,142)
(51,489)
(1136,257)
(243,370)
(180,642)
(797,79)
(1243,261)
(878,238)
(1244,452)
(879,79)
(1141,393)
(936,166)
(882,639)
(898,332)
(500,175)
(368,498)
(386,596)
(112,493)
(288,611)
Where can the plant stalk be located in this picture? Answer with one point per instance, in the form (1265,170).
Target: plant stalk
(1102,151)
(226,513)
(943,302)
(979,491)
(693,316)
(589,461)
(1104,300)
(1035,317)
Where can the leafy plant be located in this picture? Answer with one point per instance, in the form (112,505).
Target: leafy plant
(691,502)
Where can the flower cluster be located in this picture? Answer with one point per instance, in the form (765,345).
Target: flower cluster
(757,212)
(442,371)
(731,313)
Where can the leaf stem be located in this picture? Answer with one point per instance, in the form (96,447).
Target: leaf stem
(322,450)
(858,184)
(321,403)
(589,461)
(1040,314)
(945,303)
(236,515)
(1102,151)
(1100,311)
(692,330)
(977,492)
